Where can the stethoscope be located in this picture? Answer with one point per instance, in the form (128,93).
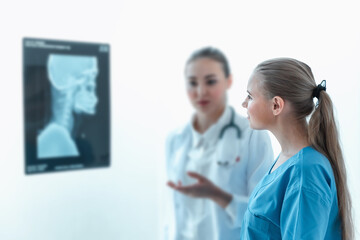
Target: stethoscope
(231,124)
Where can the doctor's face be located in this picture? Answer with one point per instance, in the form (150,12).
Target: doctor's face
(259,107)
(206,85)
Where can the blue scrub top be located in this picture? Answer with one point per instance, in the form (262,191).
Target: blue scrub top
(298,200)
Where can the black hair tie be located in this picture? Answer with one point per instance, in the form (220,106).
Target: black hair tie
(319,88)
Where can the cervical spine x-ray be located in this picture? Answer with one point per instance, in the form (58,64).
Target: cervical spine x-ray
(66,99)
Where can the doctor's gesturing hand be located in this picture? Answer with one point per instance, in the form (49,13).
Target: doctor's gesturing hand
(204,188)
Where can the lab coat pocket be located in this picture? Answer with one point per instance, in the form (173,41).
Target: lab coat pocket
(222,172)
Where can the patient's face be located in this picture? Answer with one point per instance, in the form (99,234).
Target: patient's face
(85,98)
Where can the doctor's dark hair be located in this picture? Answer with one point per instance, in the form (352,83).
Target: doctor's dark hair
(293,81)
(212,53)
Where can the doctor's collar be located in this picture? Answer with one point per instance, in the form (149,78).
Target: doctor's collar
(210,136)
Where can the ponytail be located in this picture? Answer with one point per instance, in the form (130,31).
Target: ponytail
(324,137)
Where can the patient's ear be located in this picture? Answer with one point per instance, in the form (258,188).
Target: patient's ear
(277,105)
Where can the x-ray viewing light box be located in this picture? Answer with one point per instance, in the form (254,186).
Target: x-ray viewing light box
(66,88)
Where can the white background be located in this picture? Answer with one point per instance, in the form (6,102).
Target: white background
(150,42)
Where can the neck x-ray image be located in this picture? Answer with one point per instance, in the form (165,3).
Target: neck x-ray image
(66,99)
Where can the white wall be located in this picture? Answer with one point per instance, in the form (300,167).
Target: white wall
(150,41)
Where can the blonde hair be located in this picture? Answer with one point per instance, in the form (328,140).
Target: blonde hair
(293,81)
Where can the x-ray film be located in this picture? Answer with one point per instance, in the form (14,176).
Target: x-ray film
(66,105)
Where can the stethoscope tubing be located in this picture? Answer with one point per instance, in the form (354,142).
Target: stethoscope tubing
(231,124)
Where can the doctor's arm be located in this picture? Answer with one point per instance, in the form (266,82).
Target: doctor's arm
(259,160)
(167,208)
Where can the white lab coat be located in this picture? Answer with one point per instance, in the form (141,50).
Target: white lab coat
(238,177)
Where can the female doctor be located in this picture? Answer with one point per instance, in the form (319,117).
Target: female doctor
(215,160)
